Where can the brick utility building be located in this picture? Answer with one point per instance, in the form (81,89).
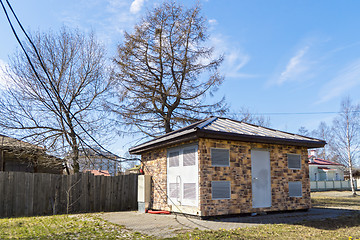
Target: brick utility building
(219,166)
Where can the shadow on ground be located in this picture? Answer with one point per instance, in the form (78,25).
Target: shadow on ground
(348,221)
(315,217)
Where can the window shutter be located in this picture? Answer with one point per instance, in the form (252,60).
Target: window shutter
(295,189)
(174,190)
(294,161)
(174,159)
(220,157)
(189,157)
(220,189)
(189,190)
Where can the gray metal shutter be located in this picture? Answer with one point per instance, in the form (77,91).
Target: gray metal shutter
(189,156)
(295,189)
(294,161)
(174,159)
(189,190)
(174,190)
(220,190)
(220,157)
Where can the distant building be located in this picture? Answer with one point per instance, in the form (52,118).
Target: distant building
(90,159)
(99,172)
(325,170)
(20,156)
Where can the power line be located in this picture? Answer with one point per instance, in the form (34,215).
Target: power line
(292,113)
(55,92)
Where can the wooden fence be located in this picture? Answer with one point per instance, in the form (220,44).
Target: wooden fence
(31,194)
(331,185)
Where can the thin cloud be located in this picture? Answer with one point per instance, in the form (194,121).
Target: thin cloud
(295,67)
(346,79)
(213,22)
(136,6)
(235,58)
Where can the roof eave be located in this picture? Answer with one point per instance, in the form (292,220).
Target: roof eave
(163,143)
(202,133)
(259,139)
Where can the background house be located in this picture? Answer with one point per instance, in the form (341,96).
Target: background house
(99,160)
(219,166)
(20,156)
(325,170)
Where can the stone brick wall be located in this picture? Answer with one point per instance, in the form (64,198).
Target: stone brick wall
(238,173)
(154,164)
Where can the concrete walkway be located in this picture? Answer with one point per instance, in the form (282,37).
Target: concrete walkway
(169,225)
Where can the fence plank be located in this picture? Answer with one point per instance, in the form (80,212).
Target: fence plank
(29,194)
(19,181)
(9,195)
(2,193)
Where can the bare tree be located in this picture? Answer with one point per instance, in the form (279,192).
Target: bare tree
(325,133)
(346,138)
(303,131)
(50,112)
(245,115)
(166,71)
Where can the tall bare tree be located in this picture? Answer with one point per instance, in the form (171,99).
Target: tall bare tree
(346,138)
(78,83)
(245,115)
(324,132)
(166,71)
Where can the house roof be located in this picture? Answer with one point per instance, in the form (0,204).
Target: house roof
(12,143)
(228,129)
(326,169)
(318,161)
(98,172)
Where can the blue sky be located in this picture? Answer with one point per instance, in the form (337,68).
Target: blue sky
(280,56)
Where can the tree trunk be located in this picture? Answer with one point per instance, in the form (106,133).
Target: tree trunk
(167,125)
(75,152)
(351,178)
(350,161)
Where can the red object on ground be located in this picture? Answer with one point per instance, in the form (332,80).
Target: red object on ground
(158,212)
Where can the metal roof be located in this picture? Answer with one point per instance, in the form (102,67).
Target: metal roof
(224,128)
(13,143)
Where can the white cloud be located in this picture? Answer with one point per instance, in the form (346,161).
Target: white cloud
(136,6)
(235,58)
(346,79)
(213,22)
(296,66)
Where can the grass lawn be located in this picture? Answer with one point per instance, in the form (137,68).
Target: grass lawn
(79,226)
(91,226)
(341,228)
(341,200)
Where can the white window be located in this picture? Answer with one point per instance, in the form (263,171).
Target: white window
(220,190)
(174,159)
(174,190)
(294,161)
(220,157)
(189,191)
(189,156)
(295,189)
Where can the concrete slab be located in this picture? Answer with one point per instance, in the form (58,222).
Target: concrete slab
(162,226)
